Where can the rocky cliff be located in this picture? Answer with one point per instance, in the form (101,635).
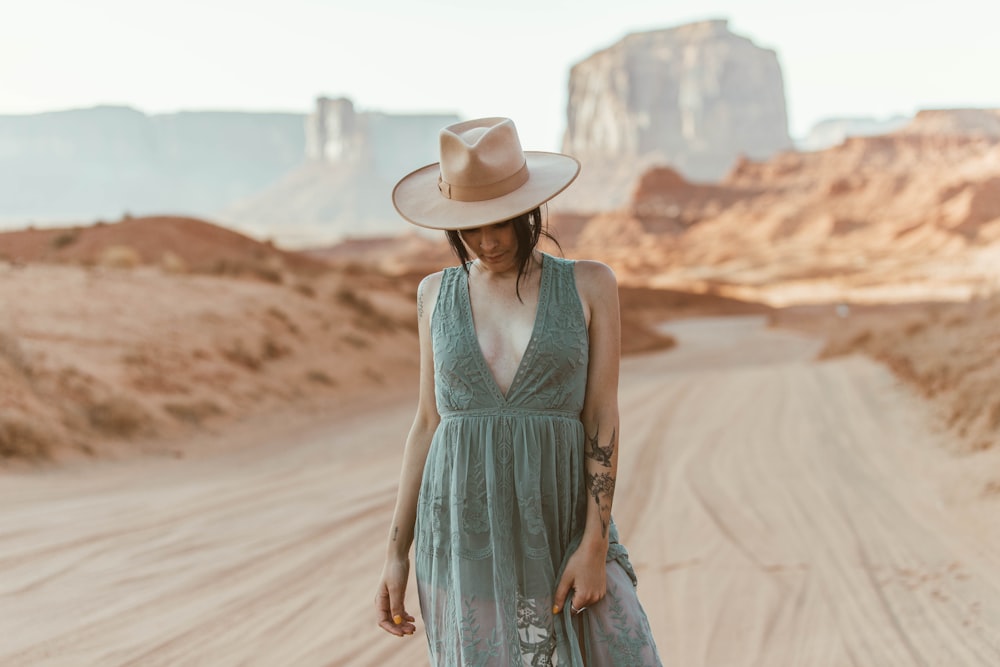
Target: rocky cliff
(344,187)
(914,214)
(694,97)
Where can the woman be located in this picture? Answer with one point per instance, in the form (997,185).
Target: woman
(509,468)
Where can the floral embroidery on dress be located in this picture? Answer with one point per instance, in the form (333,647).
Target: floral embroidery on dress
(477,649)
(629,643)
(536,632)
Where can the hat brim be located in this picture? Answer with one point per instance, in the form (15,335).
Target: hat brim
(418,199)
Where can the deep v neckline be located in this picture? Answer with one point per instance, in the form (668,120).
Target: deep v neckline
(532,339)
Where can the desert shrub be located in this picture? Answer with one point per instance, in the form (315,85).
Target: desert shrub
(173,263)
(320,377)
(236,352)
(349,297)
(21,440)
(272,349)
(64,239)
(283,317)
(194,412)
(368,316)
(259,270)
(355,341)
(117,416)
(267,274)
(305,289)
(120,257)
(853,343)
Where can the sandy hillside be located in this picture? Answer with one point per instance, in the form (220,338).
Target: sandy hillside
(949,352)
(778,510)
(100,355)
(175,244)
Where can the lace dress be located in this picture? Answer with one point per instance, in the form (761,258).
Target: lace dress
(502,502)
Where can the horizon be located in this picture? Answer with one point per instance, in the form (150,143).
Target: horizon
(438,58)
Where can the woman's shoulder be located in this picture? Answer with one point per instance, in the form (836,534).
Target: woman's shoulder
(432,280)
(431,283)
(595,278)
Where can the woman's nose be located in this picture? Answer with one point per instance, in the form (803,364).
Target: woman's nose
(487,240)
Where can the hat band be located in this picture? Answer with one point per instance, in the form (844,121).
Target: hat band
(484,192)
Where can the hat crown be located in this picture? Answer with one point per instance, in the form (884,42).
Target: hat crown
(480,152)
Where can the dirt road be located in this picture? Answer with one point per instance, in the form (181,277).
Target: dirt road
(779,512)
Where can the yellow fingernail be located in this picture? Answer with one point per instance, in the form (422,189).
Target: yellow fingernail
(555,609)
(397,619)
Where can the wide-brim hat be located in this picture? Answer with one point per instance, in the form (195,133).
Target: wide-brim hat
(483,177)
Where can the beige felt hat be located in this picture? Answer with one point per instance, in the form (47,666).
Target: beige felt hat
(483,177)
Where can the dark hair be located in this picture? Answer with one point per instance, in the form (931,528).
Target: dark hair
(528,229)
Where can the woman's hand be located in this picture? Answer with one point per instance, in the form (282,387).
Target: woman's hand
(584,581)
(390,608)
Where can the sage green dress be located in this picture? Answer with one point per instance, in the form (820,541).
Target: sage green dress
(502,501)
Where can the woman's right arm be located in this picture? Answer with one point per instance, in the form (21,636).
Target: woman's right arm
(390,606)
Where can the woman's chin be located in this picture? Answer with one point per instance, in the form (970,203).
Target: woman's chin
(499,262)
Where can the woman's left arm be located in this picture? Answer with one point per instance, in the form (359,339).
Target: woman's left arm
(585,570)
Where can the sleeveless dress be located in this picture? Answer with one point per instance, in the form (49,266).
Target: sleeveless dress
(502,502)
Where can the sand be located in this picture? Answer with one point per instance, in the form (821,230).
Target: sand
(99,362)
(779,511)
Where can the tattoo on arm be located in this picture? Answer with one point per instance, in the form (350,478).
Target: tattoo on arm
(600,454)
(602,488)
(395,532)
(420,299)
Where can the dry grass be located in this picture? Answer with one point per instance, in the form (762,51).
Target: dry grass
(65,239)
(321,377)
(118,416)
(305,289)
(271,349)
(236,352)
(120,257)
(20,440)
(173,263)
(283,317)
(193,412)
(355,341)
(368,316)
(268,272)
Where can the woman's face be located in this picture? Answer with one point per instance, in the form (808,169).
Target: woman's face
(494,245)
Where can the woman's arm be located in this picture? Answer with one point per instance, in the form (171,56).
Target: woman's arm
(390,609)
(585,571)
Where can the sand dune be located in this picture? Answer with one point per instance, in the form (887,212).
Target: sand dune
(808,525)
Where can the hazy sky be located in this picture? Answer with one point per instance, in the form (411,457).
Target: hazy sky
(512,58)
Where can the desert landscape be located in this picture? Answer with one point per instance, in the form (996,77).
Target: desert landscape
(201,434)
(201,428)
